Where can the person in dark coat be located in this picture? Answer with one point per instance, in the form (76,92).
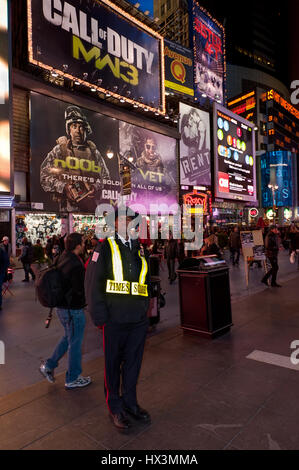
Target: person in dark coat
(117,293)
(171,253)
(235,246)
(27,258)
(272,250)
(4,264)
(71,316)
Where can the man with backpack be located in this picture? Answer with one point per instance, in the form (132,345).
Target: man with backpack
(70,313)
(27,259)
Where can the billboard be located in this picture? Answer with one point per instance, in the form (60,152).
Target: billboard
(101,46)
(178,68)
(70,166)
(277,169)
(195,147)
(154,167)
(4,99)
(209,55)
(235,161)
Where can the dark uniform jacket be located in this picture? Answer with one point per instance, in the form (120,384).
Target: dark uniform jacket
(114,308)
(272,245)
(73,273)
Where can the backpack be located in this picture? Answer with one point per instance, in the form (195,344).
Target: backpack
(49,287)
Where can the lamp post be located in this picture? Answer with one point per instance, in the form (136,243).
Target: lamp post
(273,188)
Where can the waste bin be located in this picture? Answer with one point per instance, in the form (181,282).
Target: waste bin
(153,312)
(154,265)
(205,302)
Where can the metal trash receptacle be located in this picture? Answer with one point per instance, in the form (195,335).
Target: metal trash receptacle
(205,301)
(153,312)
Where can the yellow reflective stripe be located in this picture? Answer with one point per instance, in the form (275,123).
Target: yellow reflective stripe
(117,265)
(114,287)
(144,269)
(139,289)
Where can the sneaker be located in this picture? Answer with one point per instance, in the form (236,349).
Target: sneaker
(80,382)
(47,373)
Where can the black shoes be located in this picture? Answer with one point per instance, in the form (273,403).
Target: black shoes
(138,413)
(264,281)
(276,285)
(120,421)
(25,280)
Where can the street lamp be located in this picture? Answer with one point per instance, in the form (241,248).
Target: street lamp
(273,188)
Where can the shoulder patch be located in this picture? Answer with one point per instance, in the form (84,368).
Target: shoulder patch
(95,257)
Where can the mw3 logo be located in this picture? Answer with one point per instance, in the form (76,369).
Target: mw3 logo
(295,94)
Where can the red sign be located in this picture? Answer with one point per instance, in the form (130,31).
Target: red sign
(196,199)
(223,180)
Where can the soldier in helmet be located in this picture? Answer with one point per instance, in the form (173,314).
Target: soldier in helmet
(66,171)
(150,160)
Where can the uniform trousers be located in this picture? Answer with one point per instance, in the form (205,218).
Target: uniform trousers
(123,348)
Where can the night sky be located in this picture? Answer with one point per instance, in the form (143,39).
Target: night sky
(145,5)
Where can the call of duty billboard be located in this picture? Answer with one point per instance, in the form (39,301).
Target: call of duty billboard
(100,45)
(70,170)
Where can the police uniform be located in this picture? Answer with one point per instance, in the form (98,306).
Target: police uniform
(117,291)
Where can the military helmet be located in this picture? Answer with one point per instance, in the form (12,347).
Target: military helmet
(74,114)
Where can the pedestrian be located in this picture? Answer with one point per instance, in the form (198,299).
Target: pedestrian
(27,259)
(272,249)
(38,252)
(48,250)
(4,263)
(71,315)
(235,246)
(6,246)
(210,248)
(171,253)
(117,292)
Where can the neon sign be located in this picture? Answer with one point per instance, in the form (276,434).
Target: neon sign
(196,199)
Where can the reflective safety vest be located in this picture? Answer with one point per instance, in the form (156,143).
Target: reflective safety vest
(118,285)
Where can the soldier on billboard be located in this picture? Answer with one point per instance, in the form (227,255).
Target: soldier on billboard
(150,160)
(73,168)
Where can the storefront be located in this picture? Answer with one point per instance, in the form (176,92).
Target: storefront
(39,226)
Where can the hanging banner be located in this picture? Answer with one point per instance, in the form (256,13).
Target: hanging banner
(195,147)
(70,170)
(178,68)
(101,46)
(153,162)
(209,55)
(4,99)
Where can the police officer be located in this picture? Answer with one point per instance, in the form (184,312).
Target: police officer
(80,191)
(117,291)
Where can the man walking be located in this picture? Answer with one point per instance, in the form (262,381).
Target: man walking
(235,246)
(27,259)
(171,253)
(116,287)
(272,249)
(71,316)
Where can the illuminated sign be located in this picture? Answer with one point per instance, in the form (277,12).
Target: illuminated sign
(270,214)
(196,199)
(277,169)
(209,55)
(195,147)
(288,214)
(234,144)
(178,68)
(244,106)
(253,212)
(273,95)
(100,46)
(4,99)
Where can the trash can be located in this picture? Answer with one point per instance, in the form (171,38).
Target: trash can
(153,312)
(205,302)
(154,265)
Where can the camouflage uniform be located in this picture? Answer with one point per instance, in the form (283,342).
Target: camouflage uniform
(51,177)
(146,164)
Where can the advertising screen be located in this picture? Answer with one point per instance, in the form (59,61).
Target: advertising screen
(235,162)
(209,55)
(70,168)
(100,45)
(154,167)
(70,171)
(178,68)
(195,147)
(4,100)
(277,168)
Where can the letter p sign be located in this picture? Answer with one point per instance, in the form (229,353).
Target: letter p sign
(2,353)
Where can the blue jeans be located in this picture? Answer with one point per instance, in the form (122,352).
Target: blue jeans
(73,322)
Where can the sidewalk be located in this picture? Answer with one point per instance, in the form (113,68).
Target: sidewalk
(201,394)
